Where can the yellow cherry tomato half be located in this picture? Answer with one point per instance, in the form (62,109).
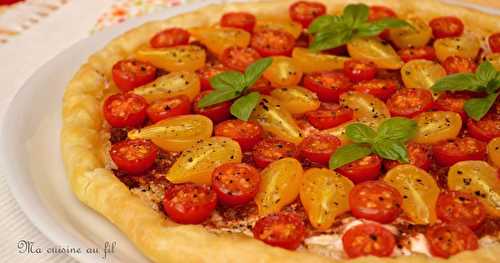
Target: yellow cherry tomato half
(437,126)
(494,152)
(375,50)
(218,39)
(283,72)
(466,46)
(421,73)
(297,100)
(188,57)
(308,61)
(294,28)
(171,85)
(416,36)
(365,106)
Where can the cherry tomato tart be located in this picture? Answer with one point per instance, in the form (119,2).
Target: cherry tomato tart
(270,150)
(130,74)
(134,156)
(284,230)
(246,133)
(125,110)
(189,203)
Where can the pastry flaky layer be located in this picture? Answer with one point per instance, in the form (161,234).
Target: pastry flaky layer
(84,138)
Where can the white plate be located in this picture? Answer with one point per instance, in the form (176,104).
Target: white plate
(32,160)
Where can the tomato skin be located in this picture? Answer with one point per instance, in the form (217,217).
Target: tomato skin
(283,72)
(125,110)
(329,116)
(319,147)
(270,230)
(130,74)
(169,107)
(189,203)
(247,134)
(239,58)
(456,64)
(486,129)
(494,42)
(270,150)
(327,85)
(241,20)
(269,42)
(358,241)
(217,113)
(380,88)
(412,53)
(447,153)
(453,102)
(410,102)
(437,126)
(420,155)
(357,70)
(235,183)
(207,72)
(460,207)
(446,240)
(446,26)
(170,37)
(134,156)
(367,168)
(305,12)
(376,201)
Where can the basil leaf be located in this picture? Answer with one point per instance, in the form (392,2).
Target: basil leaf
(324,23)
(347,154)
(486,72)
(493,86)
(397,129)
(330,39)
(229,80)
(457,82)
(217,96)
(377,27)
(360,133)
(478,107)
(355,14)
(242,108)
(392,150)
(255,70)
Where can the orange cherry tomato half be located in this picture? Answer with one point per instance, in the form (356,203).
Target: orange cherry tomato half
(446,240)
(304,12)
(460,207)
(456,64)
(134,156)
(284,230)
(368,239)
(380,88)
(447,153)
(319,147)
(217,113)
(410,102)
(246,133)
(494,42)
(329,116)
(207,72)
(270,42)
(327,85)
(125,110)
(413,53)
(189,203)
(357,70)
(419,155)
(241,20)
(270,150)
(448,101)
(170,38)
(168,107)
(239,58)
(375,200)
(446,26)
(130,74)
(364,169)
(235,183)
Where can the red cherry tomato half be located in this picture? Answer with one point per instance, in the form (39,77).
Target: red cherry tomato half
(263,86)
(419,155)
(269,42)
(368,239)
(357,70)
(270,150)
(247,134)
(327,85)
(460,207)
(446,240)
(207,72)
(380,88)
(447,153)
(456,64)
(494,41)
(453,102)
(408,54)
(486,129)
(239,58)
(189,203)
(235,183)
(409,102)
(125,110)
(134,156)
(305,12)
(319,147)
(446,26)
(364,169)
(169,107)
(375,200)
(241,20)
(329,116)
(170,37)
(379,12)
(284,230)
(217,113)
(130,74)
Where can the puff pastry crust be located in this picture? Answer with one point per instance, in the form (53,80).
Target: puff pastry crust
(84,138)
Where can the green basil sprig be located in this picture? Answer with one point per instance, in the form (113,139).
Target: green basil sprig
(486,79)
(232,84)
(388,141)
(333,31)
